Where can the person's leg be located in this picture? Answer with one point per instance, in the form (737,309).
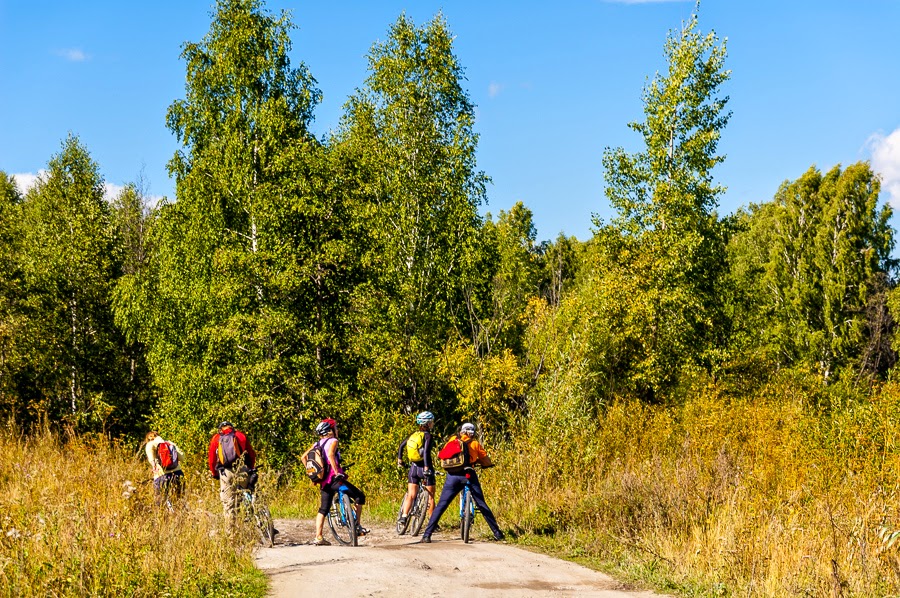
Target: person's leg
(411,491)
(159,490)
(430,488)
(478,497)
(228,495)
(326,495)
(452,487)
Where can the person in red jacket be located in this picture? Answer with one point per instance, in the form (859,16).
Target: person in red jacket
(231,461)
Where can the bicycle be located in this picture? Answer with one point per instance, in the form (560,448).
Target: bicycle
(418,513)
(342,518)
(257,512)
(467,508)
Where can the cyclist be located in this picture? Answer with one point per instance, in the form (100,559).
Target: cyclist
(231,461)
(474,454)
(420,466)
(167,481)
(334,479)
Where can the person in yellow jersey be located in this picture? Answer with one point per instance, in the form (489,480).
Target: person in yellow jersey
(417,449)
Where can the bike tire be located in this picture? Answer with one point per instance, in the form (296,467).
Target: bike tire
(468,515)
(421,511)
(265,524)
(402,526)
(338,522)
(350,515)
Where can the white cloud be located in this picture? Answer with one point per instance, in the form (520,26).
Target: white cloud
(73,54)
(494,89)
(886,162)
(26,180)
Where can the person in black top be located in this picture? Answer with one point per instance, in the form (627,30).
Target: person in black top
(418,450)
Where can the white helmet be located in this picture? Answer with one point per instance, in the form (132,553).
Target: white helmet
(468,429)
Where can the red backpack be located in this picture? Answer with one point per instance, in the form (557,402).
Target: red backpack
(455,455)
(168,455)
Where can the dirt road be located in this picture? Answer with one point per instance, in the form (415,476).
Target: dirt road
(387,565)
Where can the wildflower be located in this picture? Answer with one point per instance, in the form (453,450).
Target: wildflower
(14,534)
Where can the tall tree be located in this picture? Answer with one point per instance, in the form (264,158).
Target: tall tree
(667,241)
(410,129)
(229,287)
(814,264)
(11,293)
(74,364)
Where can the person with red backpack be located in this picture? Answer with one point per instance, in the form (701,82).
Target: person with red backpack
(331,479)
(457,477)
(231,461)
(165,461)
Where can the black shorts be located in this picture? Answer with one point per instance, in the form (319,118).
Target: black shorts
(417,472)
(327,492)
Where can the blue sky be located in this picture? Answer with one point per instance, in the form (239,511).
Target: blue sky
(813,82)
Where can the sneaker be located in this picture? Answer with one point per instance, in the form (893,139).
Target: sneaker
(320,541)
(499,537)
(403,520)
(361,531)
(425,540)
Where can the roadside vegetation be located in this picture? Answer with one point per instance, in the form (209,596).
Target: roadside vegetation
(704,403)
(77,518)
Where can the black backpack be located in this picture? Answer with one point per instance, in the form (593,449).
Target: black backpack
(316,463)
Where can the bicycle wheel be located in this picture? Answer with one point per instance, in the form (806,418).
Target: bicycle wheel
(342,520)
(401,526)
(264,523)
(419,512)
(467,515)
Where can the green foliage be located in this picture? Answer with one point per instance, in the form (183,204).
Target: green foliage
(236,308)
(409,134)
(813,267)
(69,362)
(665,249)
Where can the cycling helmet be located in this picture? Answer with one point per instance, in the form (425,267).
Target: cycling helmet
(468,429)
(226,424)
(424,418)
(324,427)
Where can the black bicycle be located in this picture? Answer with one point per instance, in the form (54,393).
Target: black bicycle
(418,513)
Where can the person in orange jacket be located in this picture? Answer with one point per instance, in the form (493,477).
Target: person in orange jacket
(474,454)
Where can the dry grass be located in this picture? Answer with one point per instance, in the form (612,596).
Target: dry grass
(75,520)
(761,497)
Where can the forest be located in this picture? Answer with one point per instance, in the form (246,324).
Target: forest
(717,389)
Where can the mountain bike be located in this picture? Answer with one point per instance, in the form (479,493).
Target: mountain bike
(342,518)
(257,513)
(467,508)
(418,513)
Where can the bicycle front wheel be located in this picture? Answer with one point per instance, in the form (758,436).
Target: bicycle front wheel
(467,515)
(402,525)
(342,520)
(264,523)
(419,512)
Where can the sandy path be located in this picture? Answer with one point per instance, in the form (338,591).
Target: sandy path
(387,565)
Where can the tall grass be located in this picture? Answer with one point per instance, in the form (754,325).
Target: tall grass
(772,495)
(76,520)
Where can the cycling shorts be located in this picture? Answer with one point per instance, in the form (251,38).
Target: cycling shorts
(417,473)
